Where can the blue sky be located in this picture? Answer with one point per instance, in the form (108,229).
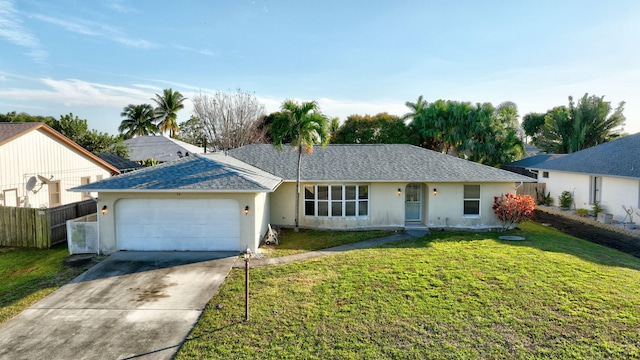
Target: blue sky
(93,58)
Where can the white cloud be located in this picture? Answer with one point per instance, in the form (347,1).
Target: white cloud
(12,30)
(121,8)
(91,28)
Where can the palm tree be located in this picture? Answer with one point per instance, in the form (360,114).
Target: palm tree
(139,120)
(416,108)
(305,126)
(169,103)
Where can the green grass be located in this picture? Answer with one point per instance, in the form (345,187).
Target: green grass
(292,242)
(28,275)
(446,296)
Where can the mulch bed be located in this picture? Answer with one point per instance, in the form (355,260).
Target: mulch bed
(594,234)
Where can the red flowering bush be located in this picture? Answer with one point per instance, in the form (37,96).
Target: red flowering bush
(513,209)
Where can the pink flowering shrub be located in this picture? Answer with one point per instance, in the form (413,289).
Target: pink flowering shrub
(513,209)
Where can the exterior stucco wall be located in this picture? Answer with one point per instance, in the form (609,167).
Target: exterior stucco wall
(447,207)
(387,208)
(617,192)
(614,192)
(39,153)
(578,184)
(249,228)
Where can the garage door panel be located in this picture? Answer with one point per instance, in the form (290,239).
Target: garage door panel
(178,224)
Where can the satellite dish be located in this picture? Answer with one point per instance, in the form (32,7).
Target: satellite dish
(31,183)
(44,179)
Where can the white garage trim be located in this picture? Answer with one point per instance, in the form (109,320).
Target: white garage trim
(178,224)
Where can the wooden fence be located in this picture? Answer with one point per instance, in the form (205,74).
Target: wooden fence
(530,189)
(40,228)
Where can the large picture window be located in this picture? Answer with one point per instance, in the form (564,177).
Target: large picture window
(472,200)
(336,200)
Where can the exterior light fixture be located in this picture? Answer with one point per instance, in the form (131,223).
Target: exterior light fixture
(104,210)
(246,210)
(246,255)
(435,192)
(399,191)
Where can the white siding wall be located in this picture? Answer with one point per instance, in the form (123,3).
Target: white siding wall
(38,153)
(617,192)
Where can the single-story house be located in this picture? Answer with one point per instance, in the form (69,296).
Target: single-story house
(524,165)
(160,148)
(608,174)
(225,201)
(38,164)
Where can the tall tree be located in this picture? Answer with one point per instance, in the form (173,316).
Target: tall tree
(416,108)
(191,132)
(588,123)
(230,120)
(378,129)
(477,132)
(168,105)
(139,120)
(305,126)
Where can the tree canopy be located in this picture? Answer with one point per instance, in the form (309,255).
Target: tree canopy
(230,120)
(139,120)
(479,132)
(168,105)
(378,129)
(568,129)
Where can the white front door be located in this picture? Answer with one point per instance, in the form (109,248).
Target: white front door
(413,202)
(178,224)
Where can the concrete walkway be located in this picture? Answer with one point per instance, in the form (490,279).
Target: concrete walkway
(405,235)
(132,305)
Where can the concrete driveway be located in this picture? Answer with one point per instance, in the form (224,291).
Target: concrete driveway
(132,305)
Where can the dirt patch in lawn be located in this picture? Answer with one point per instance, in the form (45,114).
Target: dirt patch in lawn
(594,234)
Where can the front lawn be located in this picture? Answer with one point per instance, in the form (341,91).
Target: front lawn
(292,242)
(28,275)
(448,295)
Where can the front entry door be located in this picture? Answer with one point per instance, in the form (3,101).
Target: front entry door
(413,202)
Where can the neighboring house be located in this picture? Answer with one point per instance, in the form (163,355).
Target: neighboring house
(530,150)
(122,164)
(608,173)
(38,165)
(160,148)
(225,202)
(523,166)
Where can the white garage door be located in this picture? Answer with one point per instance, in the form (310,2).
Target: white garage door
(178,224)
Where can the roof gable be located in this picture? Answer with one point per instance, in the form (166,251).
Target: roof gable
(371,163)
(201,173)
(620,158)
(12,131)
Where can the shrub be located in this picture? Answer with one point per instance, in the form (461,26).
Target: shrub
(565,200)
(597,209)
(583,212)
(513,209)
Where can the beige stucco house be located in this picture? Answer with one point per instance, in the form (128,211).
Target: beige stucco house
(38,165)
(225,201)
(608,173)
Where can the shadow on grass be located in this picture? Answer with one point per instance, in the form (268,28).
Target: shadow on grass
(536,236)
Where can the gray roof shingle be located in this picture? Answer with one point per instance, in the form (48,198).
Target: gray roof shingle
(620,158)
(373,163)
(200,173)
(159,148)
(10,131)
(534,160)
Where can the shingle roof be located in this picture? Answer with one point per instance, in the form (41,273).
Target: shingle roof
(201,173)
(121,163)
(374,163)
(10,131)
(534,160)
(160,148)
(620,158)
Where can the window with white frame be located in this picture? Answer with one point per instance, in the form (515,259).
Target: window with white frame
(336,200)
(471,200)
